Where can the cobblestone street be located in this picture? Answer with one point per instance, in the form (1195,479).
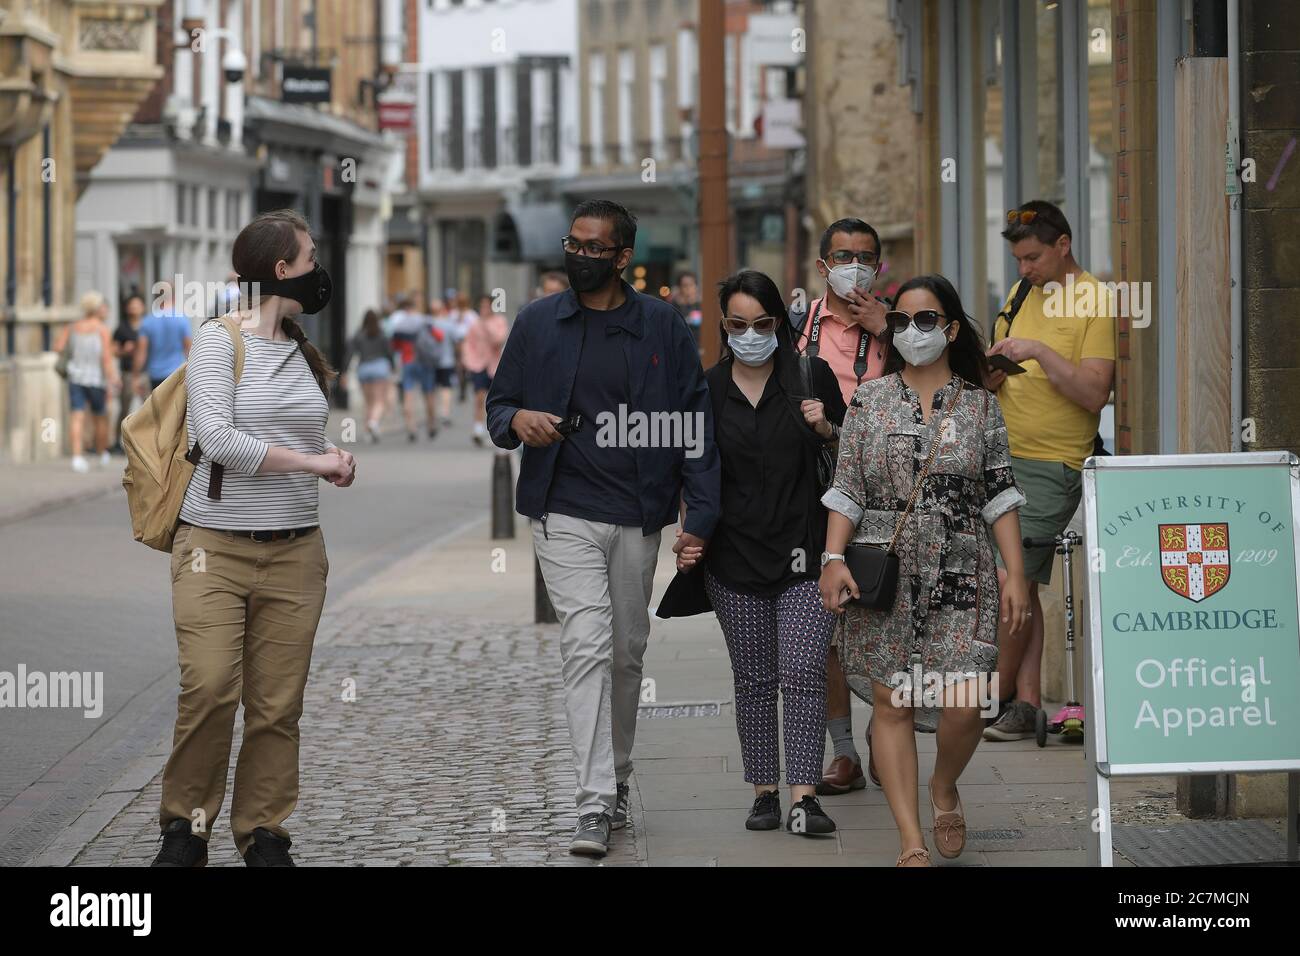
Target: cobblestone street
(454,751)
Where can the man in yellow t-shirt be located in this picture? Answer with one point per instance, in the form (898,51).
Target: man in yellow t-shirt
(1063,335)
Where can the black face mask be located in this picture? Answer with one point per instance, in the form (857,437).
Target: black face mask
(311,290)
(587,274)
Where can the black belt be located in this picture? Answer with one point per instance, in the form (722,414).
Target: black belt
(282,534)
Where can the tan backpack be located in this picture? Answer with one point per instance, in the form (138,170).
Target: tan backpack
(158,464)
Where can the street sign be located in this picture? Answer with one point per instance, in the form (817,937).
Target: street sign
(397,105)
(1194,626)
(781,122)
(305,84)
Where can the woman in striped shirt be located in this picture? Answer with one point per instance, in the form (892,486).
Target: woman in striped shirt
(248,562)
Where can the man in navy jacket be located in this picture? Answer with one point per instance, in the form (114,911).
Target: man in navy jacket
(624,367)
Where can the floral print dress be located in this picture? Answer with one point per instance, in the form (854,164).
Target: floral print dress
(947,604)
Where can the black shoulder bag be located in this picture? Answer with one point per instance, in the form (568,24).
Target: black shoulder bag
(875,569)
(1017,300)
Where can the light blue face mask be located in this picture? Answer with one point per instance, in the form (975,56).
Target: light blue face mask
(751,347)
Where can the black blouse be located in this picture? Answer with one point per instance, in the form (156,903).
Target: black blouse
(773,526)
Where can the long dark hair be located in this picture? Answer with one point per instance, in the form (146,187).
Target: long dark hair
(370,324)
(966,352)
(266,240)
(759,286)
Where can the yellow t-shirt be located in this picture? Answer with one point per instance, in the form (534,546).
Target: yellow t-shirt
(1077,323)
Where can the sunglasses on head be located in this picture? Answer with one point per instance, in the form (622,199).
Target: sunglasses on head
(1023,216)
(925,320)
(764,324)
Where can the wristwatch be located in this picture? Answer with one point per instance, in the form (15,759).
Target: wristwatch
(827,557)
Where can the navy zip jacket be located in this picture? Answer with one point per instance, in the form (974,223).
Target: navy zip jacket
(537,371)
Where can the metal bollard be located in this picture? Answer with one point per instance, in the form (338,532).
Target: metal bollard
(543,612)
(503,506)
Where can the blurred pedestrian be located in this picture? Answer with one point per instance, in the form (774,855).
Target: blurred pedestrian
(775,412)
(163,341)
(417,375)
(482,353)
(1067,349)
(686,297)
(374,369)
(249,564)
(600,499)
(125,337)
(553,282)
(91,374)
(942,628)
(461,317)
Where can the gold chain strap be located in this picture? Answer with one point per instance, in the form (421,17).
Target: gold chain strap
(925,470)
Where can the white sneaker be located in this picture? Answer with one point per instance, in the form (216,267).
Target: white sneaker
(105,460)
(80,465)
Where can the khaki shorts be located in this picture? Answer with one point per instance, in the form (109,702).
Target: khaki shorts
(1052,490)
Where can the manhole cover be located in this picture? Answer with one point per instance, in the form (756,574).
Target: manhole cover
(1201,843)
(710,708)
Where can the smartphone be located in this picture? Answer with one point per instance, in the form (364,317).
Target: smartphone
(569,425)
(1004,364)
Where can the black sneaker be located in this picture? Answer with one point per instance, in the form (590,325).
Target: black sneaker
(807,818)
(410,436)
(180,847)
(268,849)
(619,819)
(433,433)
(766,814)
(592,836)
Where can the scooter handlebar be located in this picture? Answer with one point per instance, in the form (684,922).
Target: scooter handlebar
(1045,542)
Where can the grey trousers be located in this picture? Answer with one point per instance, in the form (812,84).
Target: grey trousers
(599,577)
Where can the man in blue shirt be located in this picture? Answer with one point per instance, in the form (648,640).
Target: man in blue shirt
(164,341)
(620,372)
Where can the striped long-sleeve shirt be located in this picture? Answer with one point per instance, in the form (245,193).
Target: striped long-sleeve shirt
(277,402)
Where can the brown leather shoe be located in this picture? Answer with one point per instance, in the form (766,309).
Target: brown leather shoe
(949,827)
(843,774)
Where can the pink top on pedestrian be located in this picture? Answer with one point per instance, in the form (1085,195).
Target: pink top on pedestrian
(484,341)
(838,348)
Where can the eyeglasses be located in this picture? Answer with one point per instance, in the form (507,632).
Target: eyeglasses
(1023,216)
(593,249)
(925,320)
(842,257)
(764,324)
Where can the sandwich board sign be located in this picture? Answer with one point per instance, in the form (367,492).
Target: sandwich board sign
(1194,627)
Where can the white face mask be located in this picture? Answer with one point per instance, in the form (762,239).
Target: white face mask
(921,348)
(853,275)
(752,347)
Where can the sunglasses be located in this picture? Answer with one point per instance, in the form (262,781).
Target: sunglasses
(925,320)
(764,324)
(1024,217)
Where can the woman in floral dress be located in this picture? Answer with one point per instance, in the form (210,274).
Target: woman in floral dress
(941,633)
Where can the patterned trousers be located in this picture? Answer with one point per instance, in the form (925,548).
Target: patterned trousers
(777,643)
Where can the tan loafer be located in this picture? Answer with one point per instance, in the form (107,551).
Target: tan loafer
(949,827)
(917,856)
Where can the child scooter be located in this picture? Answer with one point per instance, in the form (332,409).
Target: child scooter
(1068,722)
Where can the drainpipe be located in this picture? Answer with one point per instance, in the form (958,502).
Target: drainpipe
(1234,218)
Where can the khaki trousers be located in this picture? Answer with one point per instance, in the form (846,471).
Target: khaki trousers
(246,614)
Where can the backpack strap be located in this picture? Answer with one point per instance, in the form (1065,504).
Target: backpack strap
(1017,300)
(217,470)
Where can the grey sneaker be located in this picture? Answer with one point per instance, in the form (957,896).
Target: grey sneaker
(619,820)
(592,836)
(1017,722)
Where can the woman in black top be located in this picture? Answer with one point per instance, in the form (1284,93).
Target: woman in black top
(762,564)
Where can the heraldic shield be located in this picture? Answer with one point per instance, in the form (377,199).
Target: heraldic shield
(1194,559)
